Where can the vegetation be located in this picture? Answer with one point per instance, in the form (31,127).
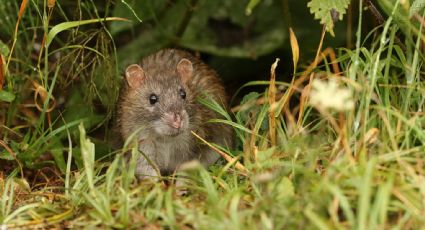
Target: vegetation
(342,145)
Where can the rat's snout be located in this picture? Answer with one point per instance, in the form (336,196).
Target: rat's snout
(172,123)
(174,119)
(177,121)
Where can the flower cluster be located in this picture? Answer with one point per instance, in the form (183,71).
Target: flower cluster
(328,95)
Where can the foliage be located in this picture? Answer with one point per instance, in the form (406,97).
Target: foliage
(216,27)
(298,163)
(222,28)
(326,9)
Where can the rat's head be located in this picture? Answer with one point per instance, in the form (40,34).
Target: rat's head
(160,97)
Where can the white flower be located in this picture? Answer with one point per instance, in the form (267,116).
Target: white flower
(326,95)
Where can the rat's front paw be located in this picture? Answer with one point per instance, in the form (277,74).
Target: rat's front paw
(181,186)
(146,171)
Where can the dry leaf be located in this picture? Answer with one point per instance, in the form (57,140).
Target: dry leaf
(371,136)
(272,100)
(51,3)
(295,48)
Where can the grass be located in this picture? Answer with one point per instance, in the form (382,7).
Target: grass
(297,165)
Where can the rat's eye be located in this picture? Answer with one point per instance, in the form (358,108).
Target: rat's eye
(153,99)
(182,94)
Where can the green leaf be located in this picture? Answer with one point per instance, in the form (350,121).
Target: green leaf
(68,25)
(284,189)
(87,152)
(57,153)
(251,5)
(5,155)
(249,97)
(322,10)
(6,96)
(74,111)
(4,49)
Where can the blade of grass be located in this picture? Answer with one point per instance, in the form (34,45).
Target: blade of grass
(87,152)
(228,158)
(15,35)
(365,190)
(68,25)
(319,222)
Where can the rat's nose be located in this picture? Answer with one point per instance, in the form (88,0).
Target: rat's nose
(176,122)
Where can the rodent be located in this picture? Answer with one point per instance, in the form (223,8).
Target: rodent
(158,100)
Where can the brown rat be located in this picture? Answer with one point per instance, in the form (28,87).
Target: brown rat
(159,101)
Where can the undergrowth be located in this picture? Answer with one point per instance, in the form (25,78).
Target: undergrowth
(341,146)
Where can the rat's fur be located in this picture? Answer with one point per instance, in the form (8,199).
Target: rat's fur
(166,147)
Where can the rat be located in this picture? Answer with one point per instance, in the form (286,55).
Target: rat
(158,106)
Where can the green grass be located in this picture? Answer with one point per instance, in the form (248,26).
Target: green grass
(359,168)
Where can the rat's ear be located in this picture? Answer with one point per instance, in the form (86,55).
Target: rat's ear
(134,75)
(185,69)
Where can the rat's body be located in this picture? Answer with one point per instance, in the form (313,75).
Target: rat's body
(159,105)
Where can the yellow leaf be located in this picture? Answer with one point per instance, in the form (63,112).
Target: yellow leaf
(51,3)
(295,48)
